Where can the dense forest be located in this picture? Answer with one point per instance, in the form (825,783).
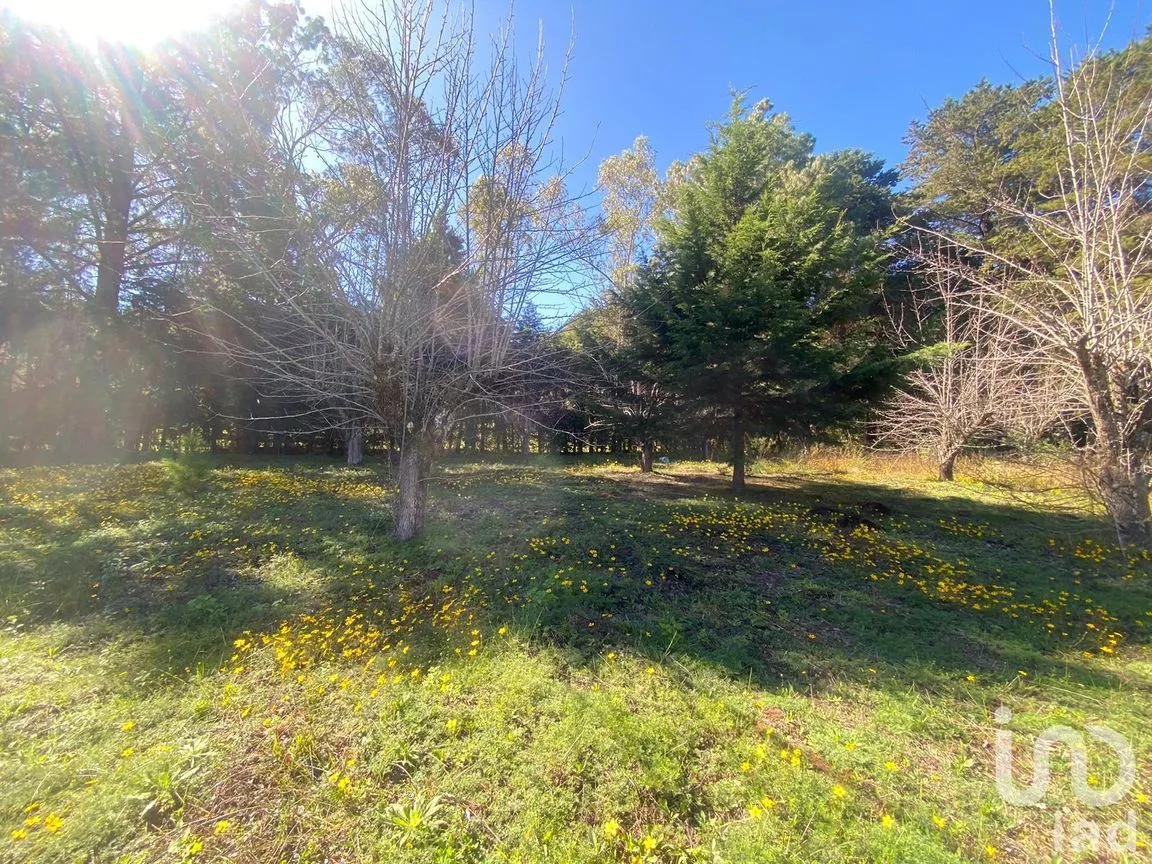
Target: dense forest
(290,235)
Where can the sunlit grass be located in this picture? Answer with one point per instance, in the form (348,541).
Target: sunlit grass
(232,662)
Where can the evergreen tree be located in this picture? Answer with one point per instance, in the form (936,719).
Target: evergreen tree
(759,294)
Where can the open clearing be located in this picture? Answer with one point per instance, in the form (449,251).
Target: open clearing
(229,661)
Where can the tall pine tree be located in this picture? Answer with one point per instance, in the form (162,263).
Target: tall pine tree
(766,270)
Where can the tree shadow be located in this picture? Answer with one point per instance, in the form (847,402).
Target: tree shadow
(664,564)
(782,611)
(188,563)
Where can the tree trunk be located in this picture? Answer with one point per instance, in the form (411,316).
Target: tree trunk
(1124,490)
(1120,455)
(647,452)
(411,500)
(355,445)
(91,436)
(525,443)
(948,466)
(112,241)
(738,455)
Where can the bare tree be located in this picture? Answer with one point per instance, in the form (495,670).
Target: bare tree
(1078,282)
(424,210)
(968,369)
(1045,402)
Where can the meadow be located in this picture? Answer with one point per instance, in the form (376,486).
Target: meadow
(210,660)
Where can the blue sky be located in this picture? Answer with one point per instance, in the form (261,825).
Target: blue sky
(854,74)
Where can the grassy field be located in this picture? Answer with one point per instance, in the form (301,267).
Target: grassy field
(229,661)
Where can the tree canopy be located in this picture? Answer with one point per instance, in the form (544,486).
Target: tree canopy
(766,269)
(285,232)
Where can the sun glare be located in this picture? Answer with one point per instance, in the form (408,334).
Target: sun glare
(136,22)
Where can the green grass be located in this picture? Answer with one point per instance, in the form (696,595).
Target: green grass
(230,661)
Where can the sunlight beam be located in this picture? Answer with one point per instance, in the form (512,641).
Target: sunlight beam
(134,22)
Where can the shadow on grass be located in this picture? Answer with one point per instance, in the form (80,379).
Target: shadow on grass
(188,569)
(786,614)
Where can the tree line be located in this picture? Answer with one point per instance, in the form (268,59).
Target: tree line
(1003,298)
(290,233)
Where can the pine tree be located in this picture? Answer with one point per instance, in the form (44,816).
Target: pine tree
(765,271)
